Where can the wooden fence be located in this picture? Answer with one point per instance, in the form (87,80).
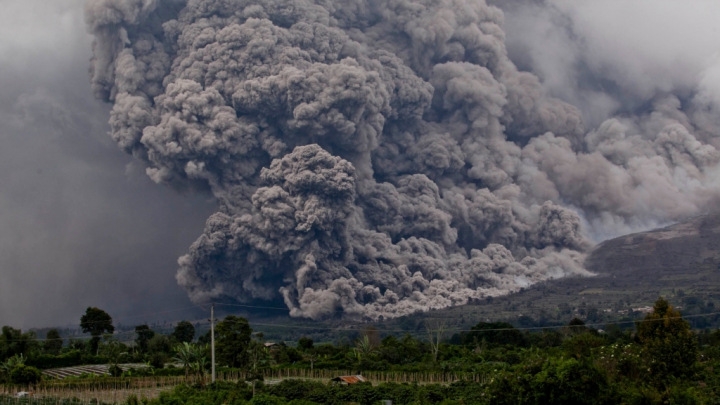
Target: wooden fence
(117,390)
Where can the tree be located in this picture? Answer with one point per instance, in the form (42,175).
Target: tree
(364,347)
(668,341)
(435,331)
(184,332)
(96,322)
(13,342)
(233,338)
(305,343)
(9,364)
(311,356)
(25,375)
(501,333)
(185,355)
(160,344)
(114,351)
(143,336)
(53,343)
(257,356)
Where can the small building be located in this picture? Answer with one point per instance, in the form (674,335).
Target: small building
(349,379)
(272,346)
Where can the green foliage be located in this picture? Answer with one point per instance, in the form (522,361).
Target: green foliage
(192,357)
(25,375)
(569,382)
(233,340)
(68,359)
(490,333)
(184,332)
(160,344)
(158,360)
(115,370)
(582,345)
(143,335)
(668,341)
(53,343)
(286,355)
(622,361)
(575,364)
(264,399)
(13,342)
(96,322)
(305,343)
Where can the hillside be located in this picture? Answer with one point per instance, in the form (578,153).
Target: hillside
(680,262)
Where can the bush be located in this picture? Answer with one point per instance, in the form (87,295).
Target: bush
(25,375)
(69,359)
(302,402)
(115,370)
(157,360)
(582,345)
(264,399)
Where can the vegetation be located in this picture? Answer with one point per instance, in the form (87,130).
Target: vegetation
(96,322)
(184,332)
(659,361)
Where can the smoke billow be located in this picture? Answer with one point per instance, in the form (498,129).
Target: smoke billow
(376,157)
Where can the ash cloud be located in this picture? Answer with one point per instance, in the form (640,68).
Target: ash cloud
(380,157)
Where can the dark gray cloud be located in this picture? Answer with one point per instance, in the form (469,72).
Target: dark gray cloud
(348,145)
(80,223)
(372,157)
(644,89)
(384,157)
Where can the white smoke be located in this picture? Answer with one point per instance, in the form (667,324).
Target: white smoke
(379,157)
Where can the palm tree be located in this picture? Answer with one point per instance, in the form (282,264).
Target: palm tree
(200,363)
(363,347)
(185,354)
(11,362)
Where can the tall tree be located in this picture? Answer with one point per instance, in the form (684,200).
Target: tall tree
(667,339)
(233,340)
(14,342)
(53,342)
(184,332)
(96,322)
(435,330)
(143,334)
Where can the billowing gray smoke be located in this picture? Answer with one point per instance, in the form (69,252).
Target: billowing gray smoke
(376,157)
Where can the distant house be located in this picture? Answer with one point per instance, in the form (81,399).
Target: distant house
(272,346)
(349,379)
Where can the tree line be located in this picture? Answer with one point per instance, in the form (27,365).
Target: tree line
(659,359)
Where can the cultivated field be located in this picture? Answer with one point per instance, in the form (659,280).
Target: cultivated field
(117,390)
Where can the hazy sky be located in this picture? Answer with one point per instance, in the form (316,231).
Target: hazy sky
(80,224)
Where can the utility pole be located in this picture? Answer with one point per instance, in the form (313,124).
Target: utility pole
(212,339)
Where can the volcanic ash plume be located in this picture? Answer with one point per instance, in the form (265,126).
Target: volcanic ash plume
(374,157)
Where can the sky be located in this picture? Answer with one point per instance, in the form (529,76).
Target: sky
(82,225)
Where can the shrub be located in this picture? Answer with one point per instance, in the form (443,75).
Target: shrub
(25,375)
(115,370)
(264,399)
